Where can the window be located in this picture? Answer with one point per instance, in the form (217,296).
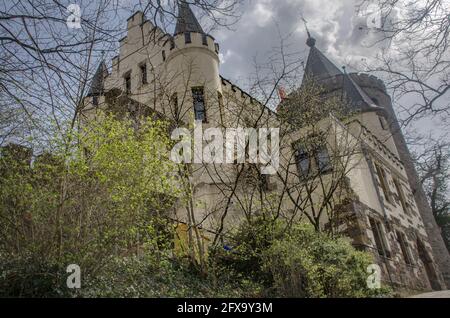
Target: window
(216,47)
(378,235)
(382,177)
(187,37)
(404,247)
(143,68)
(302,160)
(172,43)
(264,182)
(382,122)
(164,56)
(401,195)
(128,83)
(199,103)
(323,159)
(220,101)
(204,39)
(95,100)
(174,104)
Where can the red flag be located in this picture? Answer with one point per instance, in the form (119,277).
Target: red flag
(281,93)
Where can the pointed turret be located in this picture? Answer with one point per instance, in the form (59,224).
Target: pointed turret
(186,21)
(97,84)
(319,68)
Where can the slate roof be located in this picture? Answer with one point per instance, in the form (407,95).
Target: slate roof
(186,21)
(319,68)
(97,84)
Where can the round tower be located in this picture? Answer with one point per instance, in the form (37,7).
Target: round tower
(192,59)
(192,64)
(376,89)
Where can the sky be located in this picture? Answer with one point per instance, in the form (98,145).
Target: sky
(343,35)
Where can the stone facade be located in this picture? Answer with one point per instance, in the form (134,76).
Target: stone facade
(385,195)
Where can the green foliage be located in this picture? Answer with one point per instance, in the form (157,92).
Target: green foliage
(297,261)
(102,203)
(104,196)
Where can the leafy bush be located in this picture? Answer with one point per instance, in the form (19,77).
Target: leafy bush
(297,261)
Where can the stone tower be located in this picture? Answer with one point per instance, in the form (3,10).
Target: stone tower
(191,57)
(376,89)
(367,94)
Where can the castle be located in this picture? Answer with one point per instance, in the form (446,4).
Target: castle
(177,77)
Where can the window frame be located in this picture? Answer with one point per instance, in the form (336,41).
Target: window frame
(382,177)
(379,237)
(143,70)
(127,82)
(194,102)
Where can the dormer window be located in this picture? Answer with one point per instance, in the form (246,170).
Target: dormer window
(187,37)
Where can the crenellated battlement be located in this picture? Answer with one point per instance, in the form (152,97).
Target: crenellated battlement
(183,41)
(366,80)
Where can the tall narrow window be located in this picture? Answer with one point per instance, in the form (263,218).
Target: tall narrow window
(403,246)
(95,100)
(187,37)
(164,56)
(302,160)
(216,47)
(143,68)
(401,195)
(174,105)
(264,182)
(378,235)
(220,101)
(172,43)
(128,83)
(323,159)
(198,99)
(383,182)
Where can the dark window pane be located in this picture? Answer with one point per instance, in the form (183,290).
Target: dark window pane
(187,37)
(144,73)
(403,246)
(323,159)
(302,160)
(377,234)
(199,104)
(204,39)
(128,84)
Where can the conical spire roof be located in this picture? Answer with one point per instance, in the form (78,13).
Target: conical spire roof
(186,21)
(97,84)
(319,68)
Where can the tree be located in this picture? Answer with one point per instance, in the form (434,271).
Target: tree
(119,187)
(415,63)
(433,165)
